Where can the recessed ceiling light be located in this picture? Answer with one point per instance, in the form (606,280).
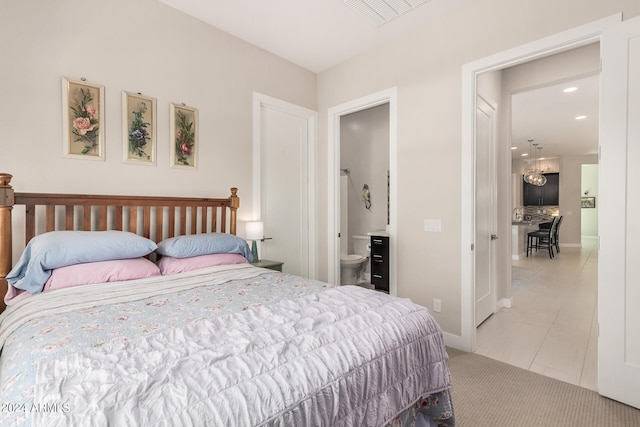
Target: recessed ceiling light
(514,148)
(581,117)
(524,154)
(570,89)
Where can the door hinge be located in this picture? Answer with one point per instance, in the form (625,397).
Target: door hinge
(472,246)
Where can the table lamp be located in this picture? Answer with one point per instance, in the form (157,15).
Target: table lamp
(254,231)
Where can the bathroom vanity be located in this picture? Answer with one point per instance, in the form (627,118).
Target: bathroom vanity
(380,261)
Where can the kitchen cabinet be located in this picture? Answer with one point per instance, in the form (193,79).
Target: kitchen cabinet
(380,262)
(547,195)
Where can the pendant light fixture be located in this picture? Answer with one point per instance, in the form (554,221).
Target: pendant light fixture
(529,176)
(540,179)
(533,176)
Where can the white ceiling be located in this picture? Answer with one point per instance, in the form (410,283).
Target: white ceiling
(318,34)
(547,115)
(315,34)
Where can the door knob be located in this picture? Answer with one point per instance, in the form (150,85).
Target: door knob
(494,237)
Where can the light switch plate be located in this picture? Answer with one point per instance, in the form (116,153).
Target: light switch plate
(432,225)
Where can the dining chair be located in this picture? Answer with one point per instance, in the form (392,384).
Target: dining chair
(556,236)
(542,238)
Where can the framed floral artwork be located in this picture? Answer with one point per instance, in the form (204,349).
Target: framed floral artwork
(138,129)
(83,120)
(184,136)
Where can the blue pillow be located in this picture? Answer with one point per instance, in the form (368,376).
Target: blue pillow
(204,244)
(57,249)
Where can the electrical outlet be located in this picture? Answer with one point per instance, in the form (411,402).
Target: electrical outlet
(437,305)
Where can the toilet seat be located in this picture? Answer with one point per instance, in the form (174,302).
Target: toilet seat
(351,259)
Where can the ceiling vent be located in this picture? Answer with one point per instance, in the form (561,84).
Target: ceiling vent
(380,12)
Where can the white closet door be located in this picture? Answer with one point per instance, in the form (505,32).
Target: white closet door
(284,141)
(486,220)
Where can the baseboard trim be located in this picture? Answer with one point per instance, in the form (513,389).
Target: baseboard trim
(455,341)
(505,302)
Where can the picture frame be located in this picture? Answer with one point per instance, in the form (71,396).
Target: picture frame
(138,129)
(83,120)
(587,202)
(184,136)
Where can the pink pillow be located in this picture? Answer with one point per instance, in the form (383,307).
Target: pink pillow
(100,272)
(14,295)
(171,265)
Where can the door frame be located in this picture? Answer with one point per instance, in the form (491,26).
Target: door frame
(570,39)
(311,116)
(333,173)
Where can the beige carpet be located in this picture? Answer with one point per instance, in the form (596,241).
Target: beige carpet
(493,394)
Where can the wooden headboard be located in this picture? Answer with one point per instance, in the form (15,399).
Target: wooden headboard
(153,217)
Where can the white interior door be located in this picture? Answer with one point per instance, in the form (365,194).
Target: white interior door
(619,204)
(285,182)
(486,211)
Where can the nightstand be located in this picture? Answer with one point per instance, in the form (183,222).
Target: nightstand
(265,263)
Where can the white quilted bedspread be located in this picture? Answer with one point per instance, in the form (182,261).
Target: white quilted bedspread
(342,357)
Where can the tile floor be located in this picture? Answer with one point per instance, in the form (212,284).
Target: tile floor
(551,328)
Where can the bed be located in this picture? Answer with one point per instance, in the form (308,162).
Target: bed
(146,311)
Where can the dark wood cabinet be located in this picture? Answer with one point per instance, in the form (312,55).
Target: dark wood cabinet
(547,195)
(380,262)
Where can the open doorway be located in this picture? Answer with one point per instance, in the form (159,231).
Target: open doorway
(388,96)
(547,323)
(563,42)
(364,167)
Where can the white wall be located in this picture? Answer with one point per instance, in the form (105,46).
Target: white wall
(364,150)
(570,185)
(425,66)
(589,216)
(139,46)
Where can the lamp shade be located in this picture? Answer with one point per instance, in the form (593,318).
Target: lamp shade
(254,230)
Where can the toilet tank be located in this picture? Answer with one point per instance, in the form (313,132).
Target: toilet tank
(361,245)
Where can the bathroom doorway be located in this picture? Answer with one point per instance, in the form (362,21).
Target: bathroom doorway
(364,152)
(364,172)
(383,179)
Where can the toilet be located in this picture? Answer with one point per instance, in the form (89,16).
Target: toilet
(352,265)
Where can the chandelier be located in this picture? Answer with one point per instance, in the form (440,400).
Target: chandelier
(534,176)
